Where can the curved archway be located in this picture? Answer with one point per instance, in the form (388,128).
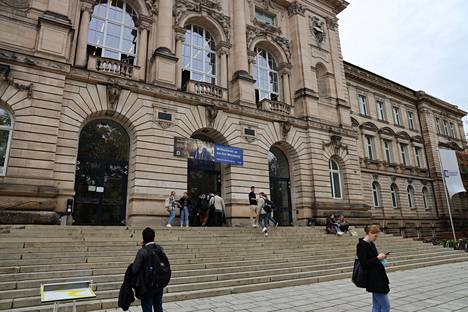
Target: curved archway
(280,185)
(102,174)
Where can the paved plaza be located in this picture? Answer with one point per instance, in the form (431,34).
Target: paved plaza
(433,289)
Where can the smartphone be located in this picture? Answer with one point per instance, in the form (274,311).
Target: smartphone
(387,253)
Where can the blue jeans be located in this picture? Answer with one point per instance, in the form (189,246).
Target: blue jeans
(152,299)
(268,218)
(380,303)
(184,216)
(171,216)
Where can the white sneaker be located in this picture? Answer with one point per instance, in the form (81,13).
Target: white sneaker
(168,225)
(187,226)
(264,230)
(266,234)
(254,225)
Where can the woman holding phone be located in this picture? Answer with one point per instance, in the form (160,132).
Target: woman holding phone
(374,265)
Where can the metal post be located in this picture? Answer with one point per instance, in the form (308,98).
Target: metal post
(55,306)
(74,306)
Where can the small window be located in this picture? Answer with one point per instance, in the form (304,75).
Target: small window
(6,131)
(418,152)
(266,75)
(249,132)
(394,191)
(411,120)
(452,130)
(380,110)
(410,191)
(425,196)
(376,194)
(388,151)
(335,179)
(363,105)
(446,131)
(396,115)
(164,116)
(369,142)
(265,17)
(404,154)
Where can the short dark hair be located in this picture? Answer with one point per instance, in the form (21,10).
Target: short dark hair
(148,235)
(252,187)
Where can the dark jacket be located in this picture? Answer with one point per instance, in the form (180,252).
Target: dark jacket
(138,268)
(126,296)
(377,280)
(252,198)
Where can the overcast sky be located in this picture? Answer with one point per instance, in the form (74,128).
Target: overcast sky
(422,44)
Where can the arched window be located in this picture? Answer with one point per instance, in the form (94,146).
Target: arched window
(410,191)
(6,131)
(199,54)
(113,31)
(335,179)
(425,196)
(322,80)
(266,75)
(376,194)
(394,191)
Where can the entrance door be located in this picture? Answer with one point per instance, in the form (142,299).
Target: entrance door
(280,186)
(101,174)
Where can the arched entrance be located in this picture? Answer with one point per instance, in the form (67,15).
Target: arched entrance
(204,175)
(101,174)
(280,185)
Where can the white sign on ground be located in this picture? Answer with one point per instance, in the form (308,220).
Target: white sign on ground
(67,291)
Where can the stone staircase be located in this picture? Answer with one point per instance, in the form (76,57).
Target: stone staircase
(205,262)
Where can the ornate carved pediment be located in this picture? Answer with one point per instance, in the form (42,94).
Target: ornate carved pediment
(210,8)
(369,126)
(403,135)
(354,122)
(417,138)
(387,131)
(317,28)
(335,144)
(451,145)
(256,32)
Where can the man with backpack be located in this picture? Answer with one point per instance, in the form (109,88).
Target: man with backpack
(153,272)
(261,213)
(269,207)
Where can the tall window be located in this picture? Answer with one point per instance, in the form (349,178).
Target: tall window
(363,105)
(394,192)
(380,110)
(404,154)
(411,120)
(264,17)
(335,179)
(6,130)
(113,30)
(446,127)
(396,115)
(199,55)
(452,130)
(376,194)
(388,151)
(418,152)
(369,142)
(437,120)
(410,191)
(425,196)
(266,75)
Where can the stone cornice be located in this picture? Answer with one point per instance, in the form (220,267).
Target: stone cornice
(33,61)
(424,97)
(336,5)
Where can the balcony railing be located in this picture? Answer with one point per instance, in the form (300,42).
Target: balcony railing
(111,66)
(206,89)
(275,106)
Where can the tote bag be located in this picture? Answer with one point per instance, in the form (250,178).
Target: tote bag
(359,275)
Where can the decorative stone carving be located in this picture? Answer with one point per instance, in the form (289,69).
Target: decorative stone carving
(179,33)
(164,124)
(393,179)
(336,144)
(410,180)
(210,8)
(285,128)
(16,4)
(211,114)
(153,6)
(296,8)
(317,28)
(223,47)
(332,23)
(113,94)
(375,177)
(255,32)
(5,75)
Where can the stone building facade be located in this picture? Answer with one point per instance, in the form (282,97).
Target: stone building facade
(95,94)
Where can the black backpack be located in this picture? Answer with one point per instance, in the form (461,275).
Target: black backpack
(157,272)
(204,205)
(268,207)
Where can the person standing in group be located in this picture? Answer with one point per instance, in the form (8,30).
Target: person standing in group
(185,207)
(171,204)
(203,208)
(374,265)
(218,203)
(253,207)
(153,270)
(261,213)
(269,207)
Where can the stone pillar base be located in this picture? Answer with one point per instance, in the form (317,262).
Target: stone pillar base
(243,89)
(165,64)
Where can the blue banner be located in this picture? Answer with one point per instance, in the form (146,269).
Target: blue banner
(228,155)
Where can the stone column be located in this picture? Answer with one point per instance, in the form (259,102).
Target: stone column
(81,49)
(164,30)
(145,25)
(285,71)
(180,38)
(243,85)
(223,52)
